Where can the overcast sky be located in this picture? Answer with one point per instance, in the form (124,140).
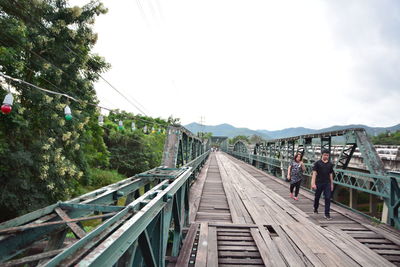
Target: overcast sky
(258,64)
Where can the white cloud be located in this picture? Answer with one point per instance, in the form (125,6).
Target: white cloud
(256,64)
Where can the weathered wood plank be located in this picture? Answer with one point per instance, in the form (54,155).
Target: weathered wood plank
(212,252)
(186,250)
(262,248)
(236,261)
(202,248)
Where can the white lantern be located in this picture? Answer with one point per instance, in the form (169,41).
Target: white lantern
(101,120)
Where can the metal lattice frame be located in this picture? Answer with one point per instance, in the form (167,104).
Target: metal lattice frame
(133,234)
(276,155)
(222,141)
(181,147)
(241,147)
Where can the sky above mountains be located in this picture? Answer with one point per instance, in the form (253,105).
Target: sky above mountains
(256,64)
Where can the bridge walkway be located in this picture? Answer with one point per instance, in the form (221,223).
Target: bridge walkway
(243,216)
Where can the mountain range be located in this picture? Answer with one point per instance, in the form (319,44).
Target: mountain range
(231,131)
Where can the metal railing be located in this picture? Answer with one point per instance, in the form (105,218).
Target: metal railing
(384,186)
(142,231)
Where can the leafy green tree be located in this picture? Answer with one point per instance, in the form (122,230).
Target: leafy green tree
(204,135)
(254,139)
(43,157)
(387,138)
(237,138)
(134,151)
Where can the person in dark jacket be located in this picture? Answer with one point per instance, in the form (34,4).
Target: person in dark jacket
(322,182)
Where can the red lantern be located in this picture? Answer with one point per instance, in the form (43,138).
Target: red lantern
(7,104)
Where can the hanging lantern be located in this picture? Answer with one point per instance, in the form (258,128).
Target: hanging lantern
(101,120)
(68,113)
(7,104)
(133,126)
(153,130)
(120,125)
(145,129)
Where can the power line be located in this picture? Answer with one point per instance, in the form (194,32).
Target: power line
(50,91)
(39,56)
(112,86)
(72,51)
(7,77)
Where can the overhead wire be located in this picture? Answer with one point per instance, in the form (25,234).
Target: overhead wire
(7,77)
(72,51)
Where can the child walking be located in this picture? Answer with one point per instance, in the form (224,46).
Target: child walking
(295,175)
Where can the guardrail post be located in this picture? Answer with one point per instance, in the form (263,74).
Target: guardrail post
(394,203)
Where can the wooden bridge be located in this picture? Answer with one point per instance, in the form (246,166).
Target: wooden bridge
(243,216)
(207,208)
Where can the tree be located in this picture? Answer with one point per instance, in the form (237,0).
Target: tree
(256,139)
(387,138)
(204,135)
(237,138)
(43,157)
(134,151)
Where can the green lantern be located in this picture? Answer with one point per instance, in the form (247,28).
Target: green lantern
(120,125)
(68,113)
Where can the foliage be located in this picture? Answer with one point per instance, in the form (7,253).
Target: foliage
(43,157)
(255,139)
(133,151)
(205,135)
(237,138)
(387,138)
(101,178)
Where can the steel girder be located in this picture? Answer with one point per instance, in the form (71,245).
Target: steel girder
(135,233)
(240,146)
(181,147)
(222,141)
(277,154)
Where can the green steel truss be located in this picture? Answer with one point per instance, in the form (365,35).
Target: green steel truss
(274,156)
(181,147)
(221,141)
(136,228)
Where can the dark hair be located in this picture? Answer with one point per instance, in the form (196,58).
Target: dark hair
(298,154)
(325,151)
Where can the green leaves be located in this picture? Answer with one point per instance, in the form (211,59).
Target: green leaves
(43,157)
(387,139)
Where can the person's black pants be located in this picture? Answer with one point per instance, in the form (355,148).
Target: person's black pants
(295,186)
(326,188)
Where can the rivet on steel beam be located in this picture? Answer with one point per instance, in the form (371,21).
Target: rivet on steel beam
(153,195)
(167,197)
(164,186)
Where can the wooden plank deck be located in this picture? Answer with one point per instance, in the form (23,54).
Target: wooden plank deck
(375,237)
(245,218)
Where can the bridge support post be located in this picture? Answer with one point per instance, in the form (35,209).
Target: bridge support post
(385,213)
(373,208)
(353,198)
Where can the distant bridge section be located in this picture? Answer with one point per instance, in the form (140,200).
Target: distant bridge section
(370,175)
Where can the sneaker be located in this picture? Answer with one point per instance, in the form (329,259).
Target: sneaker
(315,211)
(296,198)
(291,195)
(328,217)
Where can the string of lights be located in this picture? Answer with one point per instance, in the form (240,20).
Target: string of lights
(6,108)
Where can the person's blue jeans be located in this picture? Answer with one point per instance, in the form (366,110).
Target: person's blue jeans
(326,188)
